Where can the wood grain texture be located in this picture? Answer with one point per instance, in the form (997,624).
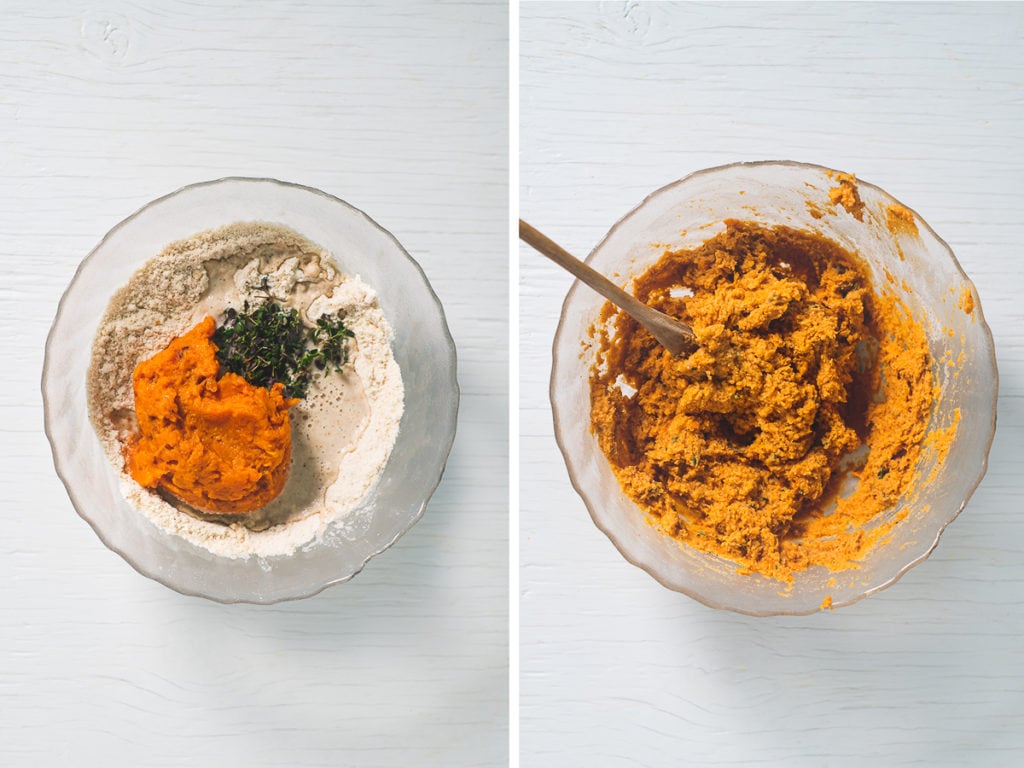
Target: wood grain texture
(618,99)
(400,108)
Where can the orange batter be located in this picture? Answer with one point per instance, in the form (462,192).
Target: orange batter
(847,195)
(735,449)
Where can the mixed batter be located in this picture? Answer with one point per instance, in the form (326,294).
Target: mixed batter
(739,448)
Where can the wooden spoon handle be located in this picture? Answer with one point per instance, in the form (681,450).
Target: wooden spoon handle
(677,337)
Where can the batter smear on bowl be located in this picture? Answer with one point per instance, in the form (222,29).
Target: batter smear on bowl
(804,374)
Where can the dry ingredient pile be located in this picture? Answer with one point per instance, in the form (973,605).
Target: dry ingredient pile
(739,449)
(245,389)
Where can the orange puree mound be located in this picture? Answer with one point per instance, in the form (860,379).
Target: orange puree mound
(220,445)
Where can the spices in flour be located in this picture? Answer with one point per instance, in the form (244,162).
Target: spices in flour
(738,449)
(269,345)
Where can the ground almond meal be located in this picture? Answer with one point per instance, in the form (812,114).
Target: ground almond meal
(737,449)
(340,435)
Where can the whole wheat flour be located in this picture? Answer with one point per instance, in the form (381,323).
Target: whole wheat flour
(342,432)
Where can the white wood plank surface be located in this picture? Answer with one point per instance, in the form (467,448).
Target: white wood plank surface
(618,99)
(401,108)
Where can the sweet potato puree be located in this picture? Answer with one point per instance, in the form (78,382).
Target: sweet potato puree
(221,444)
(736,449)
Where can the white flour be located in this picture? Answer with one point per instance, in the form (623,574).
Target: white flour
(342,433)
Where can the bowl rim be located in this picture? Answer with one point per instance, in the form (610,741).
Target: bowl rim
(446,443)
(590,505)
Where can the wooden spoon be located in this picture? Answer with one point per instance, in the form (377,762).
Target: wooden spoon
(675,336)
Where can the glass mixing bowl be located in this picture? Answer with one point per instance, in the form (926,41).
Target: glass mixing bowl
(422,346)
(689,212)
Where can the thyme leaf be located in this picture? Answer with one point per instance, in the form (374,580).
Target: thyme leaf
(269,344)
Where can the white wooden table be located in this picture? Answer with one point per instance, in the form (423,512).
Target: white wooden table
(618,99)
(400,108)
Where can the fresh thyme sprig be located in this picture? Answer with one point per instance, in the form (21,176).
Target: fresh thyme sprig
(269,344)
